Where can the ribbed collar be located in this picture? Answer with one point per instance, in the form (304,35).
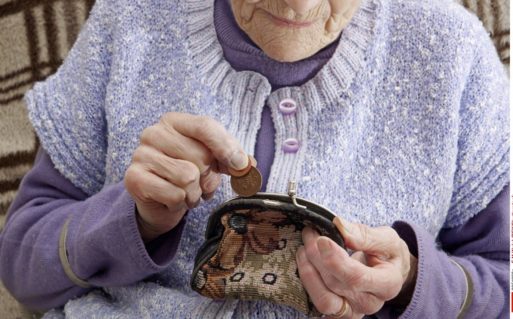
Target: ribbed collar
(325,87)
(243,54)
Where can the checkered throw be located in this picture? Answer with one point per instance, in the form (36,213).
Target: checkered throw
(35,36)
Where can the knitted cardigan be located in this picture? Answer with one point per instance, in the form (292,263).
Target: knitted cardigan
(407,121)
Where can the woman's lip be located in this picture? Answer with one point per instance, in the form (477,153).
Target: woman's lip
(289,23)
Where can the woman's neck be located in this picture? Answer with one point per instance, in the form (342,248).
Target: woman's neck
(243,54)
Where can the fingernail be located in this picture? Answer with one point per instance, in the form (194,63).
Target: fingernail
(324,246)
(239,160)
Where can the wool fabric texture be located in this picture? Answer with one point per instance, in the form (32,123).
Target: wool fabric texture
(407,121)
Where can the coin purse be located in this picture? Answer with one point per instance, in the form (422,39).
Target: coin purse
(250,248)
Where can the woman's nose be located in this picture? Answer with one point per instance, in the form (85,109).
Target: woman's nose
(302,6)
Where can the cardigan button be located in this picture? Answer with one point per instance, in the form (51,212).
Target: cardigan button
(290,145)
(287,106)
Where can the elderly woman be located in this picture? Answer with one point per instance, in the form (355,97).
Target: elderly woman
(392,113)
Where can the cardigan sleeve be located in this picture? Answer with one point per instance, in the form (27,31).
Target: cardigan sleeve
(474,241)
(67,109)
(480,246)
(103,244)
(482,166)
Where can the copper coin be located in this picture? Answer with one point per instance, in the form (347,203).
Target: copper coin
(251,163)
(247,185)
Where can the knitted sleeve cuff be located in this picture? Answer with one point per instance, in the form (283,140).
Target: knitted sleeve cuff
(440,285)
(105,247)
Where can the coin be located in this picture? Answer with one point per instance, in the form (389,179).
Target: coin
(251,163)
(247,185)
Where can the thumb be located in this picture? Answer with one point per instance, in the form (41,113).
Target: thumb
(378,241)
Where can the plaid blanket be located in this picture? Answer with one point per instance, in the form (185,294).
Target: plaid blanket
(495,17)
(35,36)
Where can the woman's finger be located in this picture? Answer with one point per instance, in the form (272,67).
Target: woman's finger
(176,171)
(148,188)
(345,311)
(310,237)
(161,152)
(184,176)
(383,281)
(332,261)
(181,173)
(324,300)
(360,257)
(175,145)
(382,242)
(328,302)
(210,180)
(223,146)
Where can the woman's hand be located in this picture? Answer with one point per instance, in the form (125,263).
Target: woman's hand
(177,162)
(344,286)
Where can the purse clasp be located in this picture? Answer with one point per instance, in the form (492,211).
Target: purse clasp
(292,190)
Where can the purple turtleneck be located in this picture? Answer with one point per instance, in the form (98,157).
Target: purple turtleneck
(29,261)
(243,54)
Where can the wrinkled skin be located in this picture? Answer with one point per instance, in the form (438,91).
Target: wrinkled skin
(293,30)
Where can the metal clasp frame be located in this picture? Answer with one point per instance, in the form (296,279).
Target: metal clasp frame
(292,189)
